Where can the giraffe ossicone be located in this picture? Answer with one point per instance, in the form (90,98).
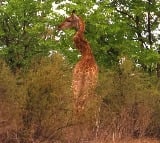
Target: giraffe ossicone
(85,72)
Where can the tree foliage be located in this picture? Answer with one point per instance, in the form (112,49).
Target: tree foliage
(22,27)
(114,29)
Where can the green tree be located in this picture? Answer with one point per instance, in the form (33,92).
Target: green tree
(115,29)
(22,26)
(131,31)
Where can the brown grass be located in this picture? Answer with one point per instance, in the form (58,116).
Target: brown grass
(144,140)
(36,106)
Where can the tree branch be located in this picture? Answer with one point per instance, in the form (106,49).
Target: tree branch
(136,19)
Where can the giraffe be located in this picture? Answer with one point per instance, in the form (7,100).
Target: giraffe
(85,72)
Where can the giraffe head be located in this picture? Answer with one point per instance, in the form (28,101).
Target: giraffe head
(73,21)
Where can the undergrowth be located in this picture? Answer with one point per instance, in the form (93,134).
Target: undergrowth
(37,105)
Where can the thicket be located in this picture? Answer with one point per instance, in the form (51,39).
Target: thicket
(36,106)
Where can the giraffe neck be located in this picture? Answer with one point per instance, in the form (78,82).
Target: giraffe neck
(80,42)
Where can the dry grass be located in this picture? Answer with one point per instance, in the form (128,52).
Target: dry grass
(124,109)
(143,140)
(147,140)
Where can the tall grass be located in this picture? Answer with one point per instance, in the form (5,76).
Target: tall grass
(10,105)
(37,105)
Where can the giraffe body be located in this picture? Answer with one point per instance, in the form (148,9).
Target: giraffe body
(85,72)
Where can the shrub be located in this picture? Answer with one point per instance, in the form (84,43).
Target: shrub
(127,109)
(10,105)
(36,106)
(48,101)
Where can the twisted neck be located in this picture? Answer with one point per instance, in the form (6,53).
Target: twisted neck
(80,42)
